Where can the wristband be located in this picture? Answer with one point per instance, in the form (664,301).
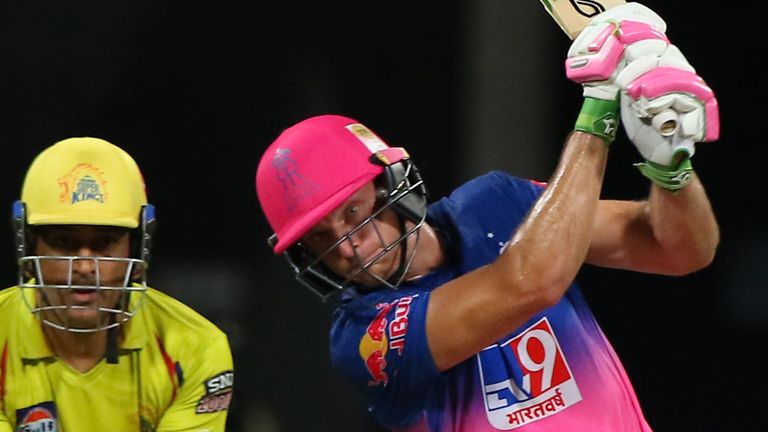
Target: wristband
(669,178)
(599,117)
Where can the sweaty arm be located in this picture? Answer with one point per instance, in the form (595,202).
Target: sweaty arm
(671,233)
(535,269)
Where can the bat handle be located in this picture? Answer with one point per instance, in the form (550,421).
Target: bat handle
(665,122)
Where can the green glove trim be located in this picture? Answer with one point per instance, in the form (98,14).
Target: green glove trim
(599,117)
(668,177)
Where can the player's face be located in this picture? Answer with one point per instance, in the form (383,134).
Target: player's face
(86,243)
(359,243)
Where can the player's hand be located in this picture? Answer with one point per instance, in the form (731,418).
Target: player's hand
(665,112)
(612,40)
(601,52)
(665,107)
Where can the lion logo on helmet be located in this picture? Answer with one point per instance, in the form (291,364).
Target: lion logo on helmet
(294,184)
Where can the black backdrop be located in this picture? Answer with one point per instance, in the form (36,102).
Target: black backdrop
(196,90)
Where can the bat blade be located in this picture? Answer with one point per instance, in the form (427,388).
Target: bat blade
(573,15)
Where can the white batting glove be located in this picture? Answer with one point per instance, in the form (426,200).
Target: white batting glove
(666,108)
(665,112)
(599,55)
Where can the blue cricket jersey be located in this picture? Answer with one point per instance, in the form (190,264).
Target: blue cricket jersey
(557,372)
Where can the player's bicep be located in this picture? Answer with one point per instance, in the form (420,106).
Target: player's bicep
(622,237)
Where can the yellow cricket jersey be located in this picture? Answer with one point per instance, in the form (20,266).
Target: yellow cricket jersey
(174,373)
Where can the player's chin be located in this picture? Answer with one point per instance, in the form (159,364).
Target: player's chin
(366,280)
(374,275)
(81,320)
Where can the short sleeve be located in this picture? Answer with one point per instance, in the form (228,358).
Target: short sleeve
(203,400)
(380,346)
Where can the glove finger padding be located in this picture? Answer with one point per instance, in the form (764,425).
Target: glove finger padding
(657,131)
(666,111)
(613,39)
(598,55)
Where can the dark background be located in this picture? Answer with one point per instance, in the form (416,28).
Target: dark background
(196,90)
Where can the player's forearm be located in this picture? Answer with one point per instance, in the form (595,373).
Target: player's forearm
(684,227)
(549,248)
(536,268)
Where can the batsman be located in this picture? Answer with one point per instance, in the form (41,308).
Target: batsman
(464,314)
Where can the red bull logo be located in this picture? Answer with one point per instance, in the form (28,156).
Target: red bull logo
(37,418)
(374,346)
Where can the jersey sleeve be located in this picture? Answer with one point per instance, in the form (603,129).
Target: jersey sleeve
(203,397)
(382,350)
(518,192)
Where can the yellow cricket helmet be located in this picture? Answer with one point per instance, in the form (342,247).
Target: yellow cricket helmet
(84,181)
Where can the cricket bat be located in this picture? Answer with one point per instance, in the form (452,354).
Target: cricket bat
(573,15)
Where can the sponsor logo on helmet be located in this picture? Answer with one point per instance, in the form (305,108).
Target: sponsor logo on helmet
(295,185)
(367,137)
(84,182)
(218,393)
(37,418)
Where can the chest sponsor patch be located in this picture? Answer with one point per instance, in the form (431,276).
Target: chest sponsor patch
(218,393)
(526,378)
(41,417)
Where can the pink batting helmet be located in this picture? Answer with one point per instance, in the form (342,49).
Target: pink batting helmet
(314,166)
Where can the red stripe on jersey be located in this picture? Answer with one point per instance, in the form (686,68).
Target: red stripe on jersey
(3,361)
(169,364)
